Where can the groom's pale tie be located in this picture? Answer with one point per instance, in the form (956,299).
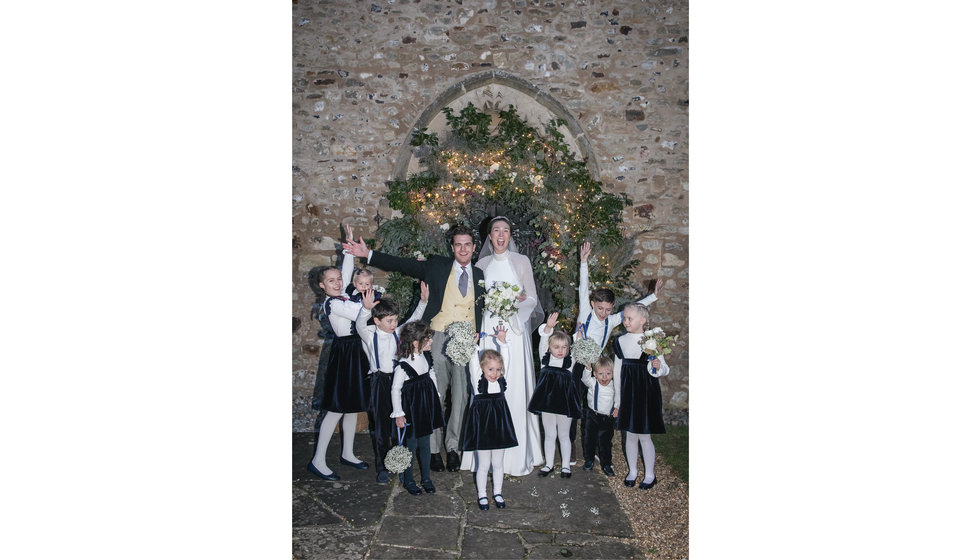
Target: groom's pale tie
(464,281)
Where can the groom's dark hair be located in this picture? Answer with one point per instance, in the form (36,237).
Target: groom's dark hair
(459,230)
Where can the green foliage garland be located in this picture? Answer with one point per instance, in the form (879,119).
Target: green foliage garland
(490,165)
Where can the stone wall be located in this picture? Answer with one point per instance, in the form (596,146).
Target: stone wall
(364,72)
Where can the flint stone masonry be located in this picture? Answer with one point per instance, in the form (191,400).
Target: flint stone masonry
(365,74)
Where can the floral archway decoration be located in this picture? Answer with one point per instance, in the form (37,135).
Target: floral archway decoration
(497,164)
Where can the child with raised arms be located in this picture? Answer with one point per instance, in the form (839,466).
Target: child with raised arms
(380,342)
(416,404)
(488,428)
(556,396)
(637,394)
(345,389)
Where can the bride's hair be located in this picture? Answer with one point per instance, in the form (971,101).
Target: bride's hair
(499,219)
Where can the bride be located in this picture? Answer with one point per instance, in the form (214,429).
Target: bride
(502,263)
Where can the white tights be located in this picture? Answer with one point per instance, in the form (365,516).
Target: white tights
(556,425)
(649,454)
(484,459)
(323,439)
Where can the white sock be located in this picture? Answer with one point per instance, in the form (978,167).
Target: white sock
(550,422)
(327,427)
(350,427)
(482,457)
(565,440)
(632,451)
(649,454)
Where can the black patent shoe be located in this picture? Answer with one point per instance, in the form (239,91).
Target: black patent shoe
(429,487)
(452,461)
(484,503)
(645,486)
(629,483)
(413,488)
(435,464)
(545,471)
(316,471)
(498,500)
(566,474)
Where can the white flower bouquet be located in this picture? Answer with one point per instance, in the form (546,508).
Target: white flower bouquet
(501,299)
(586,351)
(460,347)
(655,342)
(398,459)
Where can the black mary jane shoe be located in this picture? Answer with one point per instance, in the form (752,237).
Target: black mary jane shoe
(435,463)
(645,486)
(359,466)
(629,483)
(498,500)
(413,488)
(566,474)
(316,471)
(545,471)
(484,503)
(429,487)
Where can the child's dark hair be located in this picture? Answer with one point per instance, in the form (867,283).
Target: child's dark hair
(604,295)
(315,277)
(384,308)
(416,331)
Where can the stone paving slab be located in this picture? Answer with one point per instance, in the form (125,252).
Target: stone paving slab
(545,517)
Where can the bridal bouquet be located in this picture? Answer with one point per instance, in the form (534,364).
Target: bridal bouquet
(586,351)
(460,347)
(501,299)
(655,342)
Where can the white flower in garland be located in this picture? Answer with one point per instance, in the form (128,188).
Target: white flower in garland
(460,347)
(379,289)
(586,351)
(501,299)
(444,227)
(398,459)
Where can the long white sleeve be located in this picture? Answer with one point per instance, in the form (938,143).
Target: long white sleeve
(396,392)
(543,343)
(347,269)
(584,304)
(617,381)
(416,315)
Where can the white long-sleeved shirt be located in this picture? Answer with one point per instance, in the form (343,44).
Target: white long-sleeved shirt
(421,366)
(476,372)
(630,344)
(387,343)
(605,403)
(597,330)
(543,346)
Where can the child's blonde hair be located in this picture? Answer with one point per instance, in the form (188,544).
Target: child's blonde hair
(603,362)
(639,308)
(560,336)
(358,272)
(492,355)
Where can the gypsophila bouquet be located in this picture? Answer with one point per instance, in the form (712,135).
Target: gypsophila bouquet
(655,342)
(460,347)
(501,299)
(586,351)
(398,459)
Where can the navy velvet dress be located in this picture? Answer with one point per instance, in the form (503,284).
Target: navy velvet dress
(420,401)
(640,403)
(488,424)
(557,391)
(346,384)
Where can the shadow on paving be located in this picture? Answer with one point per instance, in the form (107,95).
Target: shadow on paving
(545,517)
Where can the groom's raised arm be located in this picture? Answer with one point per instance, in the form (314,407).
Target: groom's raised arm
(384,261)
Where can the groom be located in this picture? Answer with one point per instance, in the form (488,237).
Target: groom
(454,295)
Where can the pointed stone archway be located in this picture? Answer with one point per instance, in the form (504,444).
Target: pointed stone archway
(492,91)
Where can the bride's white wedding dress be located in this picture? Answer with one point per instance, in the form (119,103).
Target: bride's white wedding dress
(515,268)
